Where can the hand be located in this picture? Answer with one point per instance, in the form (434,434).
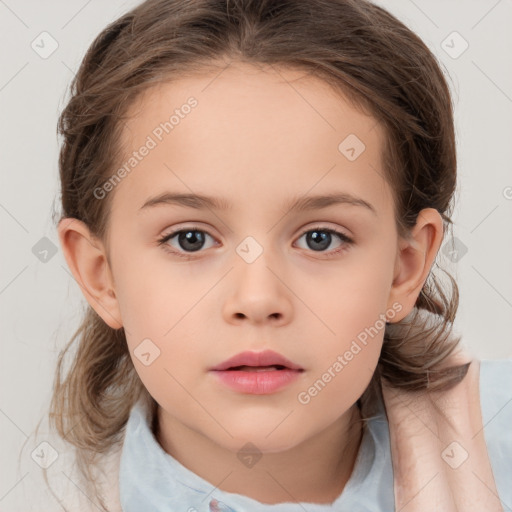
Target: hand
(431,473)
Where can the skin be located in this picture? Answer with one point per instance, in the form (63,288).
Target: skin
(438,448)
(257,138)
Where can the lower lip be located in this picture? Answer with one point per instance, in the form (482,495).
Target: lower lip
(257,382)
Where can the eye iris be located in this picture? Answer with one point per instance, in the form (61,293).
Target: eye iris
(194,238)
(323,238)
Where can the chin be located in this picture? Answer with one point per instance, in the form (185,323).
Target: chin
(280,440)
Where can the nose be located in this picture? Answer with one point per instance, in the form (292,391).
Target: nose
(258,294)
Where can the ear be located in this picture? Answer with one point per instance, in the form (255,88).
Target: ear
(87,259)
(414,260)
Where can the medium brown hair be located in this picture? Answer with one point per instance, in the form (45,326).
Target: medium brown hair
(358,48)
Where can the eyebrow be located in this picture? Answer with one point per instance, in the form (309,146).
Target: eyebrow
(300,204)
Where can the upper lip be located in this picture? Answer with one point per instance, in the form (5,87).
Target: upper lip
(265,358)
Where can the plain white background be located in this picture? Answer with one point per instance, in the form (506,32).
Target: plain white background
(41,304)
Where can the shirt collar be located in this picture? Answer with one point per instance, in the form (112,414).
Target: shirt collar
(151,479)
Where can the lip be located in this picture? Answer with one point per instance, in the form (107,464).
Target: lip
(264,358)
(259,381)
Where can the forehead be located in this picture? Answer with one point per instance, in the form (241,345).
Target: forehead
(251,133)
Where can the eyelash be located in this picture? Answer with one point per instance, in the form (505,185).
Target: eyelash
(344,238)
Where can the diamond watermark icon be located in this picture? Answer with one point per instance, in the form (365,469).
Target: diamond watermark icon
(351,147)
(454,45)
(455,250)
(146,352)
(44,455)
(44,45)
(249,454)
(44,250)
(249,249)
(454,455)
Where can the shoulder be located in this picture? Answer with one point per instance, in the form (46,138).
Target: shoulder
(496,407)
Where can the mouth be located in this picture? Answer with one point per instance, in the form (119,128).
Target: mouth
(257,373)
(248,361)
(244,368)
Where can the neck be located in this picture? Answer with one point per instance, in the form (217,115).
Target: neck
(315,471)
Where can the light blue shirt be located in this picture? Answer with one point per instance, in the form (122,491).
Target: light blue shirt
(152,480)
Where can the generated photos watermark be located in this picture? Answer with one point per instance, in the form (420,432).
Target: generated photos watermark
(152,141)
(304,397)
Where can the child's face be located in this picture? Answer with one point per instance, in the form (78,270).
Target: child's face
(256,142)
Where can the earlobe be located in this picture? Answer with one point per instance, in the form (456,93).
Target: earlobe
(87,260)
(414,260)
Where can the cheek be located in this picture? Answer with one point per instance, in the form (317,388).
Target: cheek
(155,295)
(168,365)
(344,363)
(349,332)
(353,299)
(161,326)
